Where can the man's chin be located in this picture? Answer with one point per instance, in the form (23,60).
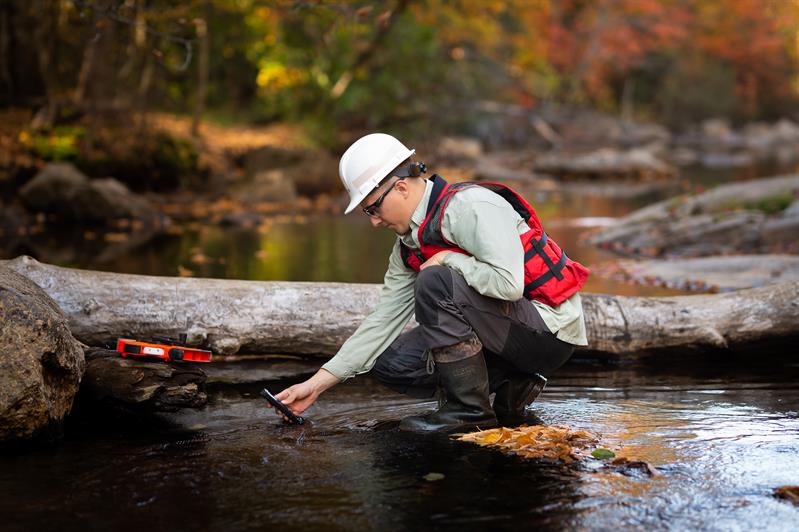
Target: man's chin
(399,230)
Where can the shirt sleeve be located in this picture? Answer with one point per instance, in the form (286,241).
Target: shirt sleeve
(486,228)
(379,329)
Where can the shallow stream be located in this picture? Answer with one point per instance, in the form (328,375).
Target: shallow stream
(720,439)
(722,434)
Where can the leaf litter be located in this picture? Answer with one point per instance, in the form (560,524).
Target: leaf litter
(557,443)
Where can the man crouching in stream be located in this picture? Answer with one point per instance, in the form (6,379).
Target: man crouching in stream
(496,300)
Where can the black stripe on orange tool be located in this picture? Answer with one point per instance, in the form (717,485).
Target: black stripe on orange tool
(162,348)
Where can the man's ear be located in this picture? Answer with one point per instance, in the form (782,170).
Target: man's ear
(402,186)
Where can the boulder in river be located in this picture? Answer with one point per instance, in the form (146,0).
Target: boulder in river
(706,274)
(459,149)
(745,217)
(279,174)
(62,189)
(605,163)
(267,186)
(41,364)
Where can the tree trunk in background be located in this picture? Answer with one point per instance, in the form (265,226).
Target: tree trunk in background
(142,57)
(87,66)
(203,61)
(316,318)
(5,58)
(45,38)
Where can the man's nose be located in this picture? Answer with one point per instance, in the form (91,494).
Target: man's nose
(375,221)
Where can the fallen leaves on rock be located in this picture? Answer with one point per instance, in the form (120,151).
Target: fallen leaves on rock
(557,443)
(432,477)
(554,442)
(789,493)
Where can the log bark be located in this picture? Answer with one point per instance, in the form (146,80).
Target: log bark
(141,386)
(316,318)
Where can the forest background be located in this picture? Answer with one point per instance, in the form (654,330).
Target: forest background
(421,67)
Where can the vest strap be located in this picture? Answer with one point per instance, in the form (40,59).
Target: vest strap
(537,248)
(536,283)
(438,186)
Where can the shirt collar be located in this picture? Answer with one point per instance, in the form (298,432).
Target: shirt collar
(420,213)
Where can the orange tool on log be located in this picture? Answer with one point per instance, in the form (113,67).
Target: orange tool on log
(167,350)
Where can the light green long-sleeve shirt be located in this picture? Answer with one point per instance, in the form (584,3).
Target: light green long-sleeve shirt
(482,223)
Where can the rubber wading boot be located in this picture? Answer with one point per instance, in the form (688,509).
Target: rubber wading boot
(513,393)
(463,376)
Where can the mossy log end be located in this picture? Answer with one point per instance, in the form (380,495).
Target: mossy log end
(316,318)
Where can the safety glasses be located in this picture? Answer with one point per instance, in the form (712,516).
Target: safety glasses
(415,169)
(371,209)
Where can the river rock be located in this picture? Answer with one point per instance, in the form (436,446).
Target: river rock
(41,364)
(278,174)
(604,163)
(709,274)
(62,189)
(717,131)
(267,186)
(726,160)
(456,149)
(739,217)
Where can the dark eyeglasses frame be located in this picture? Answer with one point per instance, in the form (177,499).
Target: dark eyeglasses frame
(414,169)
(371,209)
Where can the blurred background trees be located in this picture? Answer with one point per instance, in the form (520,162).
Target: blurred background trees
(432,64)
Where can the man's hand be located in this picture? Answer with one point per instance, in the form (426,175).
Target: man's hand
(301,396)
(435,260)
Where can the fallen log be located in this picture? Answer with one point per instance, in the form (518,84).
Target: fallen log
(141,386)
(316,318)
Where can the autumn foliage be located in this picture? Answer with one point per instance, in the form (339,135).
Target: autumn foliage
(335,65)
(553,442)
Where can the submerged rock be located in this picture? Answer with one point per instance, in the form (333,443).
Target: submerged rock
(41,364)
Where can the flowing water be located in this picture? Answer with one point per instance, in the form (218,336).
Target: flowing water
(720,438)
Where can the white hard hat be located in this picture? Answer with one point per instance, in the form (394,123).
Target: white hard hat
(367,162)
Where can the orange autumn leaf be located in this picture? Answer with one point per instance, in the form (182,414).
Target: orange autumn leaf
(553,442)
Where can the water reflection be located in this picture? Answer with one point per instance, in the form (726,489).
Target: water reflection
(316,247)
(234,466)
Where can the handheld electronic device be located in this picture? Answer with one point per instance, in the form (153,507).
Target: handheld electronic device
(274,401)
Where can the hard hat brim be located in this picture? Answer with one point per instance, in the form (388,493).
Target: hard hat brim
(378,177)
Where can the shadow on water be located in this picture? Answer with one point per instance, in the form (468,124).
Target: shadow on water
(721,438)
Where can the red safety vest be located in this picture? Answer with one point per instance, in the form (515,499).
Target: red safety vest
(549,275)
